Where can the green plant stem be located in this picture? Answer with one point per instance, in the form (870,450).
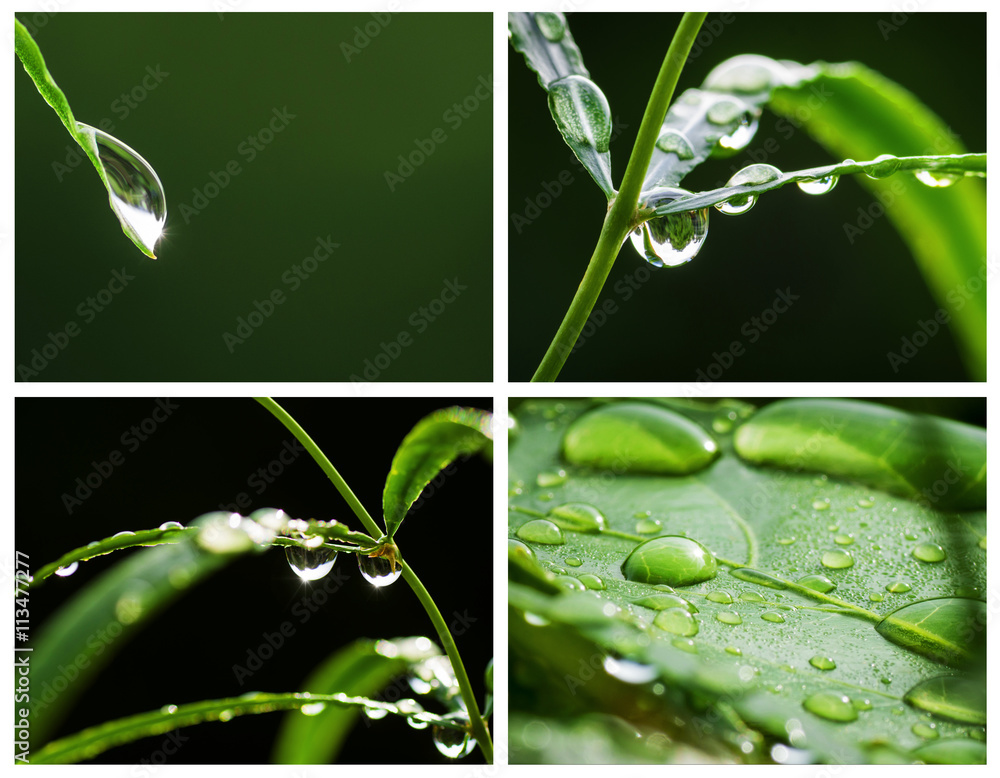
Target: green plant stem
(618,221)
(479,729)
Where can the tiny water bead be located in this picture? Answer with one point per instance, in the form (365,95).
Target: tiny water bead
(861,703)
(134,190)
(648,438)
(547,480)
(552,25)
(837,559)
(670,560)
(581,111)
(874,596)
(541,531)
(674,141)
(818,583)
(647,526)
(929,552)
(885,165)
(573,561)
(65,572)
(818,186)
(936,180)
(773,616)
(678,621)
(831,706)
(821,662)
(671,240)
(926,730)
(786,541)
(725,598)
(866,503)
(577,517)
(729,617)
(821,505)
(379,571)
(748,176)
(310,564)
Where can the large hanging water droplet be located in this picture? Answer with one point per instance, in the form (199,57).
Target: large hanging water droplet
(831,706)
(134,189)
(678,621)
(750,175)
(676,142)
(380,570)
(552,25)
(581,112)
(671,560)
(837,559)
(936,180)
(638,438)
(951,697)
(541,531)
(819,186)
(937,628)
(929,552)
(577,517)
(65,572)
(310,564)
(885,165)
(673,239)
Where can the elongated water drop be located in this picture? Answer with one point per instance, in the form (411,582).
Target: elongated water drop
(593,582)
(541,531)
(819,186)
(748,176)
(822,662)
(639,438)
(950,697)
(578,517)
(673,239)
(547,480)
(720,596)
(818,583)
(134,189)
(676,142)
(885,165)
(581,112)
(897,587)
(773,616)
(310,564)
(670,560)
(837,559)
(168,525)
(936,180)
(831,706)
(552,25)
(929,552)
(937,628)
(67,571)
(951,751)
(380,570)
(678,621)
(729,617)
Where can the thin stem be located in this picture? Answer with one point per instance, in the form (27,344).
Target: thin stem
(479,728)
(621,214)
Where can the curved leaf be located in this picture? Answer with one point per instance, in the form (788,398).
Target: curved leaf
(433,444)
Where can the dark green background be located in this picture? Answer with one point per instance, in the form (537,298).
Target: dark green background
(324,175)
(856,301)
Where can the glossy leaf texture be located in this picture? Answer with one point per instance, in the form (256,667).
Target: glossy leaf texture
(863,114)
(927,459)
(578,106)
(434,443)
(793,661)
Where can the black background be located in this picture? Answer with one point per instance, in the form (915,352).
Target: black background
(200,458)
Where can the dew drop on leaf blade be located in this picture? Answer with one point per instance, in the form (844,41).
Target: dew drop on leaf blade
(65,572)
(678,621)
(818,583)
(541,531)
(950,697)
(885,165)
(552,25)
(670,560)
(929,552)
(822,662)
(674,141)
(831,706)
(748,176)
(818,186)
(937,628)
(581,111)
(577,517)
(837,559)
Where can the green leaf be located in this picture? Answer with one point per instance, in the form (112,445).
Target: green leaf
(578,106)
(863,114)
(433,444)
(362,669)
(832,560)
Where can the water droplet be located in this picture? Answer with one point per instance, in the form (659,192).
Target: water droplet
(379,571)
(866,503)
(936,180)
(874,596)
(861,703)
(67,571)
(310,564)
(951,751)
(773,616)
(541,531)
(982,542)
(729,617)
(134,189)
(720,596)
(751,175)
(726,111)
(572,561)
(885,165)
(673,239)
(660,602)
(929,552)
(629,672)
(577,517)
(548,480)
(313,708)
(685,644)
(171,525)
(844,540)
(678,621)
(818,186)
(676,142)
(168,709)
(937,628)
(898,587)
(376,713)
(553,27)
(593,582)
(786,541)
(648,526)
(570,583)
(127,533)
(950,697)
(724,421)
(751,597)
(831,706)
(670,560)
(926,730)
(226,715)
(821,662)
(818,583)
(821,505)
(581,112)
(757,577)
(519,549)
(734,650)
(748,74)
(837,559)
